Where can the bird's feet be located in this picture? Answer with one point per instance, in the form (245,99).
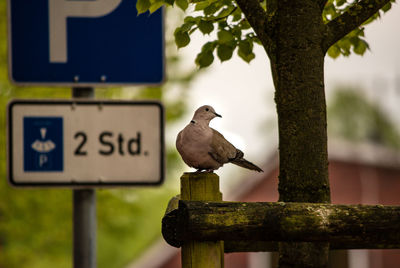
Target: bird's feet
(205,170)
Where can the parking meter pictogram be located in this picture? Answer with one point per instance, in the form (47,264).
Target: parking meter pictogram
(43,144)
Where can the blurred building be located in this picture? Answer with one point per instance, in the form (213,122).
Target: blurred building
(359,174)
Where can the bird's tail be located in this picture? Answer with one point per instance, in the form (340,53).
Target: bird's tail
(246,164)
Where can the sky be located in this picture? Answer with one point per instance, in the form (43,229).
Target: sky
(243,93)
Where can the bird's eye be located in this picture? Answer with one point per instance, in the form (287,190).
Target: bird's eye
(207,109)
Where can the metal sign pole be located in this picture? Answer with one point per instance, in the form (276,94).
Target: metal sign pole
(84,222)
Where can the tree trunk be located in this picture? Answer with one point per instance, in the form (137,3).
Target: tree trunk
(298,71)
(297,63)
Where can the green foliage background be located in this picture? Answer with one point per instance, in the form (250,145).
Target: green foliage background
(36,224)
(351,116)
(233,32)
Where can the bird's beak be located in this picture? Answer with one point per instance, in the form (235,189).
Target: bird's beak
(218,115)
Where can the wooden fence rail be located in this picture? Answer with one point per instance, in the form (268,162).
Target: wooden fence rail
(206,227)
(256,226)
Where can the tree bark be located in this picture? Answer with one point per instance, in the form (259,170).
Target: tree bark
(298,72)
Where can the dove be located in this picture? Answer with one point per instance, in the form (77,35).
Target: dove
(204,148)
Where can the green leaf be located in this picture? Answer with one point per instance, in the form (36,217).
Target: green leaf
(225,52)
(169,2)
(256,40)
(182,4)
(360,47)
(222,24)
(201,5)
(209,46)
(237,15)
(372,18)
(246,47)
(142,6)
(361,32)
(247,58)
(225,36)
(225,12)
(191,19)
(334,51)
(330,11)
(155,6)
(204,59)
(345,47)
(245,50)
(206,27)
(211,9)
(340,2)
(187,26)
(386,7)
(236,31)
(182,38)
(244,24)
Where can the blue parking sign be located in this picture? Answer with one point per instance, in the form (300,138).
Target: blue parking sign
(43,144)
(85,42)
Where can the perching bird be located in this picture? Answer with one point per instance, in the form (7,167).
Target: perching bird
(204,148)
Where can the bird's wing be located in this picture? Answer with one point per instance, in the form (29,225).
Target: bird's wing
(220,149)
(179,143)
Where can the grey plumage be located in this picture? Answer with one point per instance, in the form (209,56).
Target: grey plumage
(204,148)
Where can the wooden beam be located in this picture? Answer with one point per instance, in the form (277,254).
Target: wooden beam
(267,246)
(240,224)
(199,254)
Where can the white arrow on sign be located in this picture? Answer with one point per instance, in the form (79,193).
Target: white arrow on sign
(60,10)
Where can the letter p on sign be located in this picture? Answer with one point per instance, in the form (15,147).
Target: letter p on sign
(84,43)
(60,10)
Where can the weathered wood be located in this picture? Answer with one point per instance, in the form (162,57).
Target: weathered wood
(345,226)
(250,246)
(169,228)
(201,254)
(297,66)
(267,246)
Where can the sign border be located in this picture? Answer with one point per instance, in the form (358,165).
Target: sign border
(75,184)
(79,84)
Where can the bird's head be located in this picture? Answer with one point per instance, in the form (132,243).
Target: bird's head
(205,113)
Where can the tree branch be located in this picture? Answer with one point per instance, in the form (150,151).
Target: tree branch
(257,18)
(357,14)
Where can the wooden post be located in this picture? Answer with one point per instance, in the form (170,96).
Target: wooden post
(201,254)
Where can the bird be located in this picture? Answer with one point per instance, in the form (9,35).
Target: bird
(205,149)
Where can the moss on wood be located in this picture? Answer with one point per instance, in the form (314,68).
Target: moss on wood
(345,226)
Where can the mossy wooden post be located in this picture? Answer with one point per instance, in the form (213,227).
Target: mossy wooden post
(204,254)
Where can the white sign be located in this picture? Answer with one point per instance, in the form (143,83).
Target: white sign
(85,143)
